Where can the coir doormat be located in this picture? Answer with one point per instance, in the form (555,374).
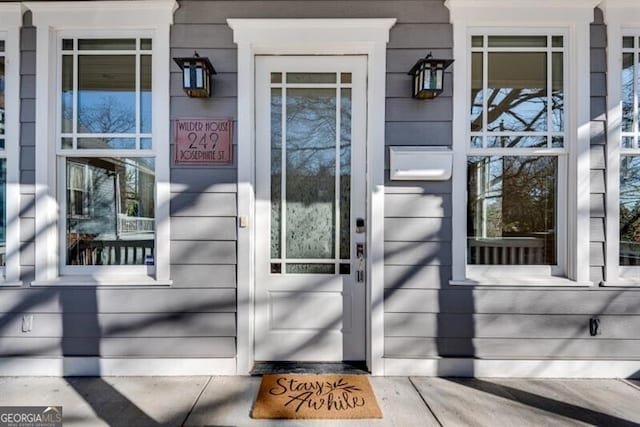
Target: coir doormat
(290,396)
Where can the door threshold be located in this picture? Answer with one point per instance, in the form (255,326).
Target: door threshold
(358,367)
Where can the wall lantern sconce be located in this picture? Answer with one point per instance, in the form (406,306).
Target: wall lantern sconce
(196,75)
(428,77)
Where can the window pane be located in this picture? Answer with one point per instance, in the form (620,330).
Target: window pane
(630,210)
(146,143)
(67,44)
(3,210)
(110,211)
(477,41)
(311,173)
(476,91)
(1,45)
(476,142)
(627,42)
(106,94)
(2,82)
(145,94)
(517,142)
(517,91)
(106,44)
(517,41)
(67,94)
(146,44)
(557,41)
(107,143)
(345,78)
(511,210)
(557,92)
(627,92)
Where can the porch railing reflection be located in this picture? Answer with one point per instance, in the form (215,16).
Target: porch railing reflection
(629,253)
(507,251)
(85,250)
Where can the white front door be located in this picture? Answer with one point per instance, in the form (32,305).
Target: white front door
(310,208)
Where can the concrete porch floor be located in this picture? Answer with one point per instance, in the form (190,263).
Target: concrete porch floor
(405,401)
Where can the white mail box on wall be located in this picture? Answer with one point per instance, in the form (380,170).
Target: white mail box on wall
(420,163)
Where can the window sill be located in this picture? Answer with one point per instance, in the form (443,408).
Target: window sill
(498,278)
(11,284)
(622,282)
(111,281)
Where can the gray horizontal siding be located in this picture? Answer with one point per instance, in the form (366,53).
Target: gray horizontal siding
(119,325)
(70,300)
(540,301)
(203,276)
(492,348)
(120,347)
(449,325)
(416,206)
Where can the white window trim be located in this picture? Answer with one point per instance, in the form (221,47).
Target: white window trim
(10,23)
(51,19)
(308,37)
(622,17)
(573,17)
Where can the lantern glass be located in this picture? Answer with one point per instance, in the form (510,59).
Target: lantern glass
(199,77)
(186,77)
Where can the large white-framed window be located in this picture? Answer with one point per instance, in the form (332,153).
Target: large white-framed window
(623,146)
(102,162)
(521,143)
(10,23)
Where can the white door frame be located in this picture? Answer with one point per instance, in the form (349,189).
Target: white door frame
(311,37)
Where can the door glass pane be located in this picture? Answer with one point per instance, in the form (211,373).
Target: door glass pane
(517,91)
(511,210)
(276,172)
(106,94)
(345,173)
(110,211)
(311,77)
(630,210)
(311,268)
(311,173)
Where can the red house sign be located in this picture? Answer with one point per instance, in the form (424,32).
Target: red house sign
(203,141)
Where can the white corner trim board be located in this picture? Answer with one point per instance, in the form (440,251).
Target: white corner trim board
(96,366)
(10,23)
(494,368)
